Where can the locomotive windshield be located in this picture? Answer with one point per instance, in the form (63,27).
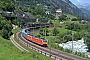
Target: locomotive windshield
(44,41)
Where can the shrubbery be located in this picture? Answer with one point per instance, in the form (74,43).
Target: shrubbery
(5,27)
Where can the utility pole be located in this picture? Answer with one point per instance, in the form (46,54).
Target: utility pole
(45,34)
(72,42)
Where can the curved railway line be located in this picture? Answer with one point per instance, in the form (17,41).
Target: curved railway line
(16,44)
(53,53)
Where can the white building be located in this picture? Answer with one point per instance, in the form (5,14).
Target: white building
(58,12)
(47,12)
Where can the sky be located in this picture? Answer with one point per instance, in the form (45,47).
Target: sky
(80,1)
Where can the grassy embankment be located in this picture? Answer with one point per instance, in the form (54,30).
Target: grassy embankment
(9,52)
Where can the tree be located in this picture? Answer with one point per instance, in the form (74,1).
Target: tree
(43,31)
(62,17)
(50,22)
(74,27)
(55,31)
(5,27)
(14,21)
(21,23)
(88,42)
(74,19)
(4,33)
(7,5)
(51,17)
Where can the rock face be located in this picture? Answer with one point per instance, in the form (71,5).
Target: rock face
(65,5)
(84,7)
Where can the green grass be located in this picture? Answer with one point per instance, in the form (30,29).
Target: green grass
(9,52)
(16,30)
(56,22)
(61,30)
(70,16)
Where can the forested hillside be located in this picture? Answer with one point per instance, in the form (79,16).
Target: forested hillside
(65,5)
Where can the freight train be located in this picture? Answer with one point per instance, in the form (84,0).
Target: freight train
(39,41)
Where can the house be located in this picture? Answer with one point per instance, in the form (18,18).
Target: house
(43,20)
(8,15)
(84,22)
(47,12)
(58,12)
(19,15)
(28,17)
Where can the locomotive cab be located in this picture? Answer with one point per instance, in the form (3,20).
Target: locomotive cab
(44,42)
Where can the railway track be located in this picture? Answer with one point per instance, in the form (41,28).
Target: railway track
(16,44)
(53,53)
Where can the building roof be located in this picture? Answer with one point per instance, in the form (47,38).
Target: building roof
(20,15)
(59,10)
(47,12)
(28,15)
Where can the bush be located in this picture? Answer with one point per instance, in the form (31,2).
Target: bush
(5,27)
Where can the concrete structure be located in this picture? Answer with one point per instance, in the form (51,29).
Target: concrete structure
(78,46)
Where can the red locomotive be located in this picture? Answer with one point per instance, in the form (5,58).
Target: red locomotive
(34,39)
